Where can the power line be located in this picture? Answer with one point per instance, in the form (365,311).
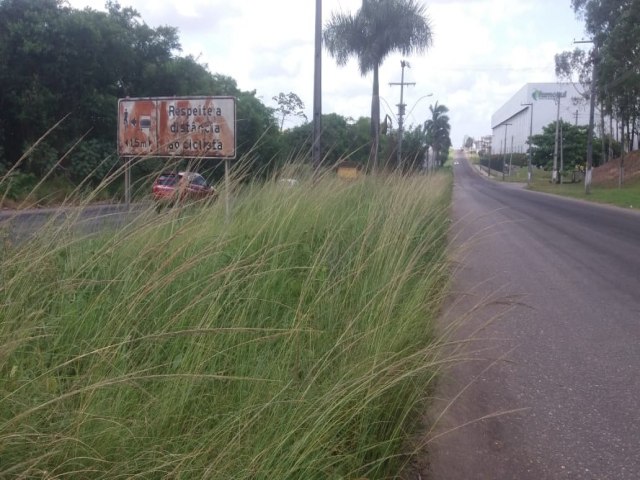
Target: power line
(490,68)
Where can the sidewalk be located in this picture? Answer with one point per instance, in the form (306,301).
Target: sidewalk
(482,170)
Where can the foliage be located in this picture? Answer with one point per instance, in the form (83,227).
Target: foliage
(438,131)
(377,29)
(614,26)
(293,340)
(574,143)
(16,185)
(575,66)
(468,143)
(92,159)
(58,62)
(495,161)
(341,139)
(289,104)
(414,148)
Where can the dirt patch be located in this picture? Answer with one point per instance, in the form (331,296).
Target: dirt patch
(607,174)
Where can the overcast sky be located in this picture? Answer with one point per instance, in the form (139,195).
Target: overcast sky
(483,52)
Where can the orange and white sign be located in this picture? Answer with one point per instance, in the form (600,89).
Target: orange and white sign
(200,127)
(137,127)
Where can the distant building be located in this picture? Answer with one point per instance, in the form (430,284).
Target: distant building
(483,145)
(514,117)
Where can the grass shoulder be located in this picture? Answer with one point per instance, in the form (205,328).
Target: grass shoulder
(294,339)
(628,196)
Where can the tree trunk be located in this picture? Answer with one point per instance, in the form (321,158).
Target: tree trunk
(427,157)
(375,120)
(621,169)
(588,171)
(611,134)
(602,133)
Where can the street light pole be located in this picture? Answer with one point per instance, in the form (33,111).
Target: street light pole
(317,89)
(511,156)
(504,153)
(561,153)
(554,174)
(416,103)
(530,159)
(401,107)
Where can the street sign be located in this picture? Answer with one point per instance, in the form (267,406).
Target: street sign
(539,95)
(193,127)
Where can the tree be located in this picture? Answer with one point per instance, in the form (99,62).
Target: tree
(377,29)
(57,62)
(574,146)
(342,139)
(613,26)
(575,67)
(289,104)
(414,148)
(468,143)
(437,131)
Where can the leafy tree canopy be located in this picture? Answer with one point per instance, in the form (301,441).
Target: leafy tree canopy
(289,104)
(341,139)
(614,26)
(58,62)
(574,146)
(437,131)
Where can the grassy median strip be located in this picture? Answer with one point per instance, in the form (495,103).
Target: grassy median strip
(628,196)
(293,340)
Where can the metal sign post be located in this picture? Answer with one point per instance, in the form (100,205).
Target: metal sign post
(127,182)
(227,187)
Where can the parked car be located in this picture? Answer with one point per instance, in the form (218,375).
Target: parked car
(171,187)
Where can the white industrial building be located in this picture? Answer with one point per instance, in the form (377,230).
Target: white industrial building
(512,121)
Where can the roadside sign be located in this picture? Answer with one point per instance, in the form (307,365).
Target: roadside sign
(195,127)
(137,127)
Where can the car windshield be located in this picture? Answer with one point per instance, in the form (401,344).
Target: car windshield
(199,181)
(167,180)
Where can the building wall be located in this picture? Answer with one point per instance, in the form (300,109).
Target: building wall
(541,95)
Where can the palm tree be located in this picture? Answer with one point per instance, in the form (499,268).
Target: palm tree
(377,29)
(437,130)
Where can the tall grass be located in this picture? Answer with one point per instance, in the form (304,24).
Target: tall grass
(293,340)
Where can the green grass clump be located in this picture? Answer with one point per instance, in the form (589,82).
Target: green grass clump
(294,340)
(628,196)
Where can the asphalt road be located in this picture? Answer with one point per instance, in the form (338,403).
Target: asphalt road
(549,289)
(20,225)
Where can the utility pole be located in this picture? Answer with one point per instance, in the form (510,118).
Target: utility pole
(592,106)
(504,156)
(401,107)
(511,155)
(530,159)
(554,174)
(561,153)
(317,90)
(576,117)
